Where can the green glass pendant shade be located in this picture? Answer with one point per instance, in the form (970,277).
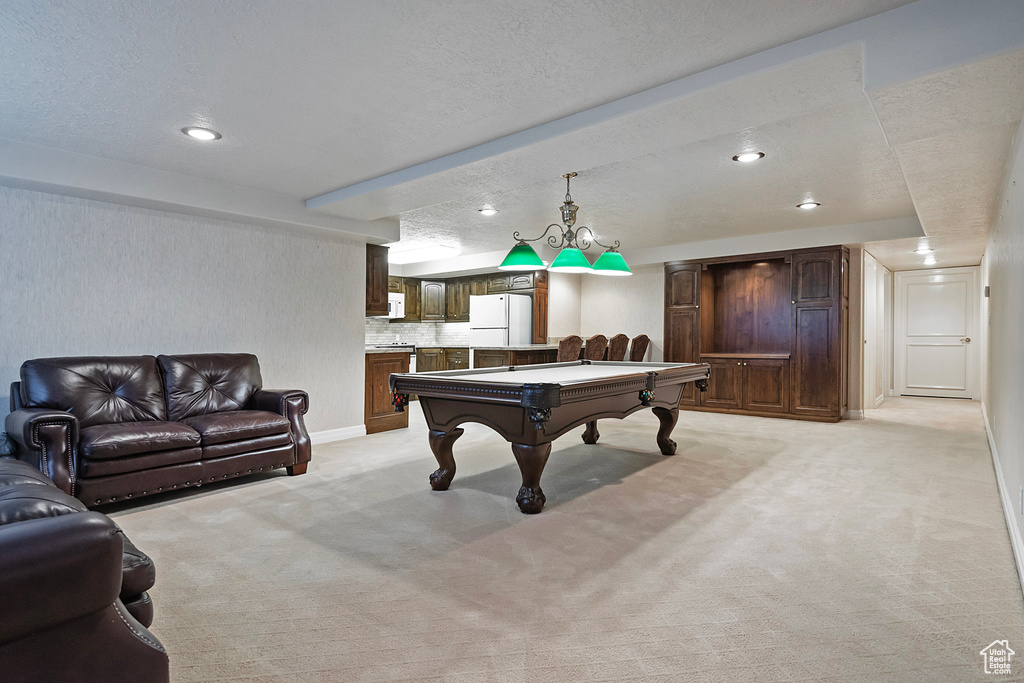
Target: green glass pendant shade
(611,263)
(522,257)
(571,260)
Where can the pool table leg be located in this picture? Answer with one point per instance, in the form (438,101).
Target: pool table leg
(590,434)
(441,446)
(667,417)
(531,461)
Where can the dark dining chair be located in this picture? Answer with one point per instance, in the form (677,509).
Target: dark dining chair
(569,349)
(638,351)
(617,346)
(595,348)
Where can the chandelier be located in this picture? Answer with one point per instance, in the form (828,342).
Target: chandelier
(571,243)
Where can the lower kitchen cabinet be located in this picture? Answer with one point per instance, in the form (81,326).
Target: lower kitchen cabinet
(378,412)
(456,359)
(429,360)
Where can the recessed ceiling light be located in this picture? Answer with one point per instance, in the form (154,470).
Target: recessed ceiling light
(929,261)
(808,205)
(923,250)
(200,133)
(488,211)
(747,157)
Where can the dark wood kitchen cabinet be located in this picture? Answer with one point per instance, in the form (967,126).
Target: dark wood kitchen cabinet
(457,293)
(376,280)
(432,300)
(378,412)
(456,358)
(773,327)
(429,360)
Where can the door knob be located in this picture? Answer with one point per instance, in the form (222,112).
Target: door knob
(966,340)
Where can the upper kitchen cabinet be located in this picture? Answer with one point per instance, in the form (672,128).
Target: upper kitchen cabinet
(432,300)
(376,280)
(457,300)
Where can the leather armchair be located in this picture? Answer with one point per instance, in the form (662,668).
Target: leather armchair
(60,615)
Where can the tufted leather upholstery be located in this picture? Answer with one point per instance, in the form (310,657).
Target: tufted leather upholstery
(209,383)
(108,428)
(95,389)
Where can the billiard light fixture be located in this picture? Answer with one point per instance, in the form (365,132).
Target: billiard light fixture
(571,243)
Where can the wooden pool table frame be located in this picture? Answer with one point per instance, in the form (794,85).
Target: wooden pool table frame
(530,415)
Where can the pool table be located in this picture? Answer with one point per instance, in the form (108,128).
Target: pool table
(532,405)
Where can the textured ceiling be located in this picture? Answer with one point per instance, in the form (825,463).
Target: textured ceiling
(316,96)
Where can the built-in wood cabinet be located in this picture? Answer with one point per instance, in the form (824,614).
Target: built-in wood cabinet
(457,300)
(456,359)
(376,280)
(429,359)
(411,287)
(395,285)
(378,412)
(432,300)
(773,327)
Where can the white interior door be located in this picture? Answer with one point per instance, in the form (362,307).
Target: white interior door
(936,328)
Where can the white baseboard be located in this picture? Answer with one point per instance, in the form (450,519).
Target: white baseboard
(854,415)
(1009,509)
(340,434)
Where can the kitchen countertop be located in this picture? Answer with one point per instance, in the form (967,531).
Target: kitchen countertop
(395,349)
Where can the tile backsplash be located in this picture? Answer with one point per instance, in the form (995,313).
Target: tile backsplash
(383,331)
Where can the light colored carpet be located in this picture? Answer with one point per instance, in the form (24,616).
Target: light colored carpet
(766,550)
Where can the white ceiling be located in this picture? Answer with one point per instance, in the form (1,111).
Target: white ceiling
(416,114)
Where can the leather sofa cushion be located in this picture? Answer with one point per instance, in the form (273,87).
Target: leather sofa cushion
(96,389)
(221,450)
(14,472)
(21,502)
(138,574)
(89,469)
(209,382)
(118,440)
(237,425)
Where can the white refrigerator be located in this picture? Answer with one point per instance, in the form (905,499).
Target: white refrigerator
(500,320)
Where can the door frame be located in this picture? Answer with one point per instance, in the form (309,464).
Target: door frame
(974,355)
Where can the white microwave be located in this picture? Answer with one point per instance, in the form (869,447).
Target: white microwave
(396,305)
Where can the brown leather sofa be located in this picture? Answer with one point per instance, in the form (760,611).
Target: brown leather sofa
(73,601)
(109,428)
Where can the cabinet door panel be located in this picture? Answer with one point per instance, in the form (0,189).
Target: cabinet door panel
(412,300)
(376,280)
(520,281)
(429,360)
(766,385)
(432,300)
(724,384)
(540,316)
(815,380)
(814,277)
(490,359)
(681,335)
(378,413)
(682,286)
(497,282)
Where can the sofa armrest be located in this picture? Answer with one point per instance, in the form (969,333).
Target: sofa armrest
(57,569)
(292,404)
(48,439)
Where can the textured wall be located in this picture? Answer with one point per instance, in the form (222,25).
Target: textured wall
(83,277)
(564,291)
(1005,385)
(631,305)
